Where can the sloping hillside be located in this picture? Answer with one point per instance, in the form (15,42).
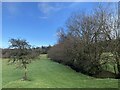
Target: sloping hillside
(45,73)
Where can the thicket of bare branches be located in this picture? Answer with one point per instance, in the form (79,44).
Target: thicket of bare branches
(88,37)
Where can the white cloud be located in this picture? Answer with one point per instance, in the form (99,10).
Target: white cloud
(12,8)
(43,17)
(72,5)
(47,8)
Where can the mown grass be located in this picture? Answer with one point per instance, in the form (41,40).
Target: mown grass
(45,73)
(0,73)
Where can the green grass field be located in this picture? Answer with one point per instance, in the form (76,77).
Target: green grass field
(45,73)
(0,73)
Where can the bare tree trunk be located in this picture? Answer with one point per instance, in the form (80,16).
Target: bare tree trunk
(95,46)
(25,72)
(118,65)
(115,69)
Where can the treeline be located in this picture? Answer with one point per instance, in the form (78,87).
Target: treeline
(85,40)
(35,51)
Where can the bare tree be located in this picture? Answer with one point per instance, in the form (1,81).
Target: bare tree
(88,37)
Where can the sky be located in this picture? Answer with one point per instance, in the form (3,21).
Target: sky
(37,22)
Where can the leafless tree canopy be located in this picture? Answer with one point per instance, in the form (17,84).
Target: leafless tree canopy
(88,37)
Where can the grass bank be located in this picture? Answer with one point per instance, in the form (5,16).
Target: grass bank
(45,73)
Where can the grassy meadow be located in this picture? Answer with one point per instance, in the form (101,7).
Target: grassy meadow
(45,73)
